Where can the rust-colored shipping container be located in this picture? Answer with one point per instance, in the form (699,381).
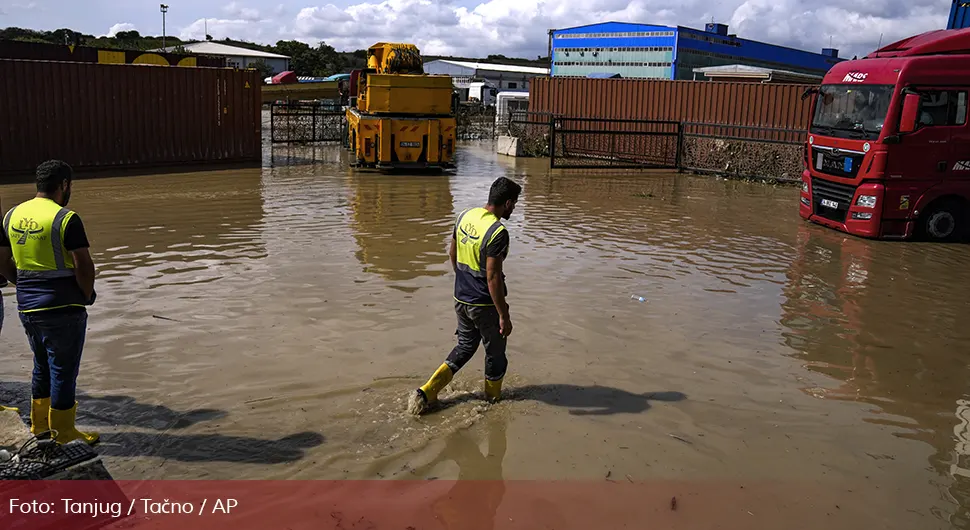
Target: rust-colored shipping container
(42,51)
(760,105)
(124,116)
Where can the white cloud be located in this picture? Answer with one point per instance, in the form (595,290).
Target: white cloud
(854,29)
(121,26)
(519,27)
(239,12)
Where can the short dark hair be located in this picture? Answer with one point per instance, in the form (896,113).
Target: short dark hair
(503,190)
(51,174)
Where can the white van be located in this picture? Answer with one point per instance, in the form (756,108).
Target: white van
(483,92)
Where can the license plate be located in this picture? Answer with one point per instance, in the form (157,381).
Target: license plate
(830,204)
(410,144)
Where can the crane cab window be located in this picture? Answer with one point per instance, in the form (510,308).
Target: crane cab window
(942,107)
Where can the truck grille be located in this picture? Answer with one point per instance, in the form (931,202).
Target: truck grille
(841,194)
(835,162)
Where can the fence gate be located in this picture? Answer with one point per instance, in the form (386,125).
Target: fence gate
(608,143)
(743,151)
(302,123)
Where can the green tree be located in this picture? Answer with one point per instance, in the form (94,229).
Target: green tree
(264,69)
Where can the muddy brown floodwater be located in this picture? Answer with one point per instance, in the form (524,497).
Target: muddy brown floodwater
(268,323)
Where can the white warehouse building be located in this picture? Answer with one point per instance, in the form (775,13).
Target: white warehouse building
(501,76)
(235,57)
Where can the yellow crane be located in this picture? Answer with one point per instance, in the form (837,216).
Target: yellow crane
(402,117)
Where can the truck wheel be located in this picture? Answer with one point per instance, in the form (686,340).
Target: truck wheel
(945,221)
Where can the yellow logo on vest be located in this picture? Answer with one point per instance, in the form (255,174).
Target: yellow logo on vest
(28,228)
(469,232)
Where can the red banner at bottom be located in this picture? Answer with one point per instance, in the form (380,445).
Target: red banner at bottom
(420,505)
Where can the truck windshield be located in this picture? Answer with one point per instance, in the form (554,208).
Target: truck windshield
(851,111)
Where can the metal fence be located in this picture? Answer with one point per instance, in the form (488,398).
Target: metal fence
(532,129)
(591,142)
(743,151)
(305,123)
(475,122)
(736,150)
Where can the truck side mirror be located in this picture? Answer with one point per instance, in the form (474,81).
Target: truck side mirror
(907,122)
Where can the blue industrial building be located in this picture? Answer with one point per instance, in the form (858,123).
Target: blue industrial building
(959,15)
(666,52)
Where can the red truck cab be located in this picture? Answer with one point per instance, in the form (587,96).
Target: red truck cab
(888,148)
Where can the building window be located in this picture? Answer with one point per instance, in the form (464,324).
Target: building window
(513,85)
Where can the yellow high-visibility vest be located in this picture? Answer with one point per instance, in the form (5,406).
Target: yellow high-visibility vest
(36,233)
(474,230)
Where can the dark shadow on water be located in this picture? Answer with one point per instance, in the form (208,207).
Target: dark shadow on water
(209,447)
(95,412)
(28,176)
(593,400)
(114,410)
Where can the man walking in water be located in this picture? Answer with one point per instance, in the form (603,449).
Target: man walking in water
(479,246)
(44,250)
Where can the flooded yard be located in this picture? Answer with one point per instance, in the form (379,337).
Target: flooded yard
(269,323)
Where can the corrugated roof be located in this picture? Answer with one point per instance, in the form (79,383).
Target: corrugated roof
(215,48)
(745,70)
(497,67)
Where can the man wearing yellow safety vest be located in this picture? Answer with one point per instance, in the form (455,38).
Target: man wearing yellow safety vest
(479,246)
(44,251)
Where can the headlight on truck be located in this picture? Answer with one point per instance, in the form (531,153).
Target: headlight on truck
(804,187)
(866,201)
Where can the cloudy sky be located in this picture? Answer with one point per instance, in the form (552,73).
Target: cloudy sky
(483,27)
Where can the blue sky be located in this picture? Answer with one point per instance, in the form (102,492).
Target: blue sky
(479,28)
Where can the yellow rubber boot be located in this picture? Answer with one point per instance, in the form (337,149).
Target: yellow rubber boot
(40,415)
(427,395)
(493,390)
(62,421)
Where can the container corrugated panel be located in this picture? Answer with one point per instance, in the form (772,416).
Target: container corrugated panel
(746,104)
(124,116)
(41,51)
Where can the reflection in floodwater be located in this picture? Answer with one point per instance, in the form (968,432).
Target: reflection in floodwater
(883,321)
(474,500)
(401,223)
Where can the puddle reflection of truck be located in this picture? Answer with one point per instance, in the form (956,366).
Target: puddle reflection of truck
(399,116)
(888,149)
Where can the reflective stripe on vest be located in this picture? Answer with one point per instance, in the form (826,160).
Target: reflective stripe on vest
(35,230)
(473,237)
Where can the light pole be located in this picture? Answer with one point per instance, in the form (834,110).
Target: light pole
(164,9)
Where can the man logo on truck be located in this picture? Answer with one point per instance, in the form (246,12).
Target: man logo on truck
(855,77)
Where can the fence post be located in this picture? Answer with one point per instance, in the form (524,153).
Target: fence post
(313,131)
(552,141)
(612,148)
(680,146)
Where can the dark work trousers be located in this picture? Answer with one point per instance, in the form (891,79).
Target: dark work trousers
(57,339)
(476,325)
